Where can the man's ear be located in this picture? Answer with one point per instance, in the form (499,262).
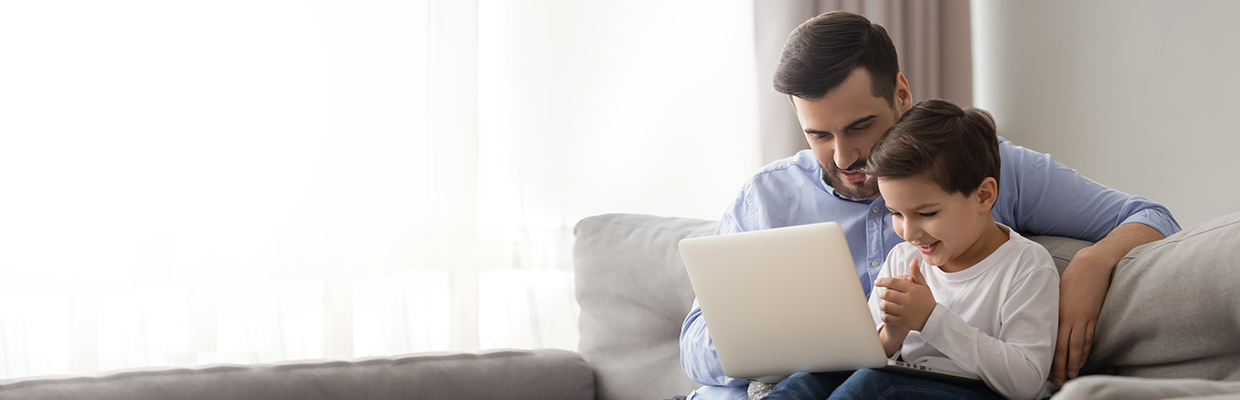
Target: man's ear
(903,95)
(987,194)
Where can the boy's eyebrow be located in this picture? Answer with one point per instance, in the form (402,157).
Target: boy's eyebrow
(856,122)
(921,207)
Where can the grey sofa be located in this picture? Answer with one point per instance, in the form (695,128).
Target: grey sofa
(634,293)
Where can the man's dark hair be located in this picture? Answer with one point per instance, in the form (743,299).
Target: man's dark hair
(956,148)
(824,51)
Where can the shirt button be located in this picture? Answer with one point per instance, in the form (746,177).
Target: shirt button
(873,263)
(874,210)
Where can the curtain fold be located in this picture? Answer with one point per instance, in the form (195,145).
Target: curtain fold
(930,36)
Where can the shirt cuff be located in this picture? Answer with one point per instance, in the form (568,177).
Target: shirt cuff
(1158,219)
(933,324)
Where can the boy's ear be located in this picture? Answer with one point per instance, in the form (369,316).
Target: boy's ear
(987,194)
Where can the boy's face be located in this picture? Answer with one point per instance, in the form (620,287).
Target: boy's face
(946,228)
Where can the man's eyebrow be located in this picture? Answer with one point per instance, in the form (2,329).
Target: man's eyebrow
(860,121)
(856,122)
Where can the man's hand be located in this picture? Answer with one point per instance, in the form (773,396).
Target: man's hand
(908,301)
(1082,289)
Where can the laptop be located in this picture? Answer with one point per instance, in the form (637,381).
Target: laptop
(787,300)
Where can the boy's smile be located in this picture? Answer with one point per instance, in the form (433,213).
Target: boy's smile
(927,249)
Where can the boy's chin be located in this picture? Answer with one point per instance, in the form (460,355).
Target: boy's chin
(934,259)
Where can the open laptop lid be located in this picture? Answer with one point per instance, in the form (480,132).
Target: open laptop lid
(783,300)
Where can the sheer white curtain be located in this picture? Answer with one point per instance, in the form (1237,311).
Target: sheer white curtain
(184,183)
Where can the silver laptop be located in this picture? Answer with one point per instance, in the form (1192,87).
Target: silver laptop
(788,300)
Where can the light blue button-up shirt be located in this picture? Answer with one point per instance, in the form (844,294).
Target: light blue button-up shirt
(1037,196)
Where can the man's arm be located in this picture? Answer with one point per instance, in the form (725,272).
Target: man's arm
(1083,288)
(697,353)
(1040,196)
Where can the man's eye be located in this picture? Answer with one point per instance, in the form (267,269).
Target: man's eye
(859,128)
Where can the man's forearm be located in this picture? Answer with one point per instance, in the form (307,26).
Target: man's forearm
(697,356)
(1112,248)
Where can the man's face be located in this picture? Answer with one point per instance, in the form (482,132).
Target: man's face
(842,126)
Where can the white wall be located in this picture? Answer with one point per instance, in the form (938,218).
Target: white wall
(1137,95)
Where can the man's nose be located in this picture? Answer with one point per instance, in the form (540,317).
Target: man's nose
(846,153)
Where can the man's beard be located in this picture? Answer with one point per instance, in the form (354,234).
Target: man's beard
(866,189)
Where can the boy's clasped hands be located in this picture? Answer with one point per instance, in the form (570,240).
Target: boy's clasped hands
(906,305)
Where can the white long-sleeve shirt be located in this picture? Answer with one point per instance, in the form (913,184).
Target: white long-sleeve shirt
(997,319)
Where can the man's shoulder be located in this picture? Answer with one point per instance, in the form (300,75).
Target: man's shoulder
(802,163)
(1013,155)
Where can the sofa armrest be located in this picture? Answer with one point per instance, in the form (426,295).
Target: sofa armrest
(506,374)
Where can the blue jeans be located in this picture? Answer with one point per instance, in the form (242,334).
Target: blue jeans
(867,384)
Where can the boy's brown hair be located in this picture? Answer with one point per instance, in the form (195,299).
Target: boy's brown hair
(956,148)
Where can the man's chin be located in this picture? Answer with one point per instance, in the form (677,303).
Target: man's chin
(859,190)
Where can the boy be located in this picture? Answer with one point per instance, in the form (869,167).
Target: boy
(963,292)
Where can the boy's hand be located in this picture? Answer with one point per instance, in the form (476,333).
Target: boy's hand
(908,301)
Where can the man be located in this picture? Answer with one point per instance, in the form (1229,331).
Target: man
(841,74)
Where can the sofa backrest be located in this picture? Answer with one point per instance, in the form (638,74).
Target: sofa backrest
(634,295)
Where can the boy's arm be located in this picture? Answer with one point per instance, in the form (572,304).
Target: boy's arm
(892,339)
(1016,362)
(891,336)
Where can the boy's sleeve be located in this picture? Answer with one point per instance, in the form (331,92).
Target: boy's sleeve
(1017,362)
(1040,196)
(890,268)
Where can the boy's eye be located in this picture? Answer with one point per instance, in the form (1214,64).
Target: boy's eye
(896,214)
(929,214)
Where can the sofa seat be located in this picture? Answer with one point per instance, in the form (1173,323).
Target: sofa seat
(508,374)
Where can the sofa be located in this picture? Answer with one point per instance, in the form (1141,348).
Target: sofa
(1170,327)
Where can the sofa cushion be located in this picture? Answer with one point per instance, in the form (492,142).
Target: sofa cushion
(1101,387)
(517,375)
(1062,249)
(1173,310)
(634,295)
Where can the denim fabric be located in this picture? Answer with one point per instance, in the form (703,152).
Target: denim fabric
(870,384)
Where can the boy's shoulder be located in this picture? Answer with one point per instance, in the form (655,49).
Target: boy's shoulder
(1029,255)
